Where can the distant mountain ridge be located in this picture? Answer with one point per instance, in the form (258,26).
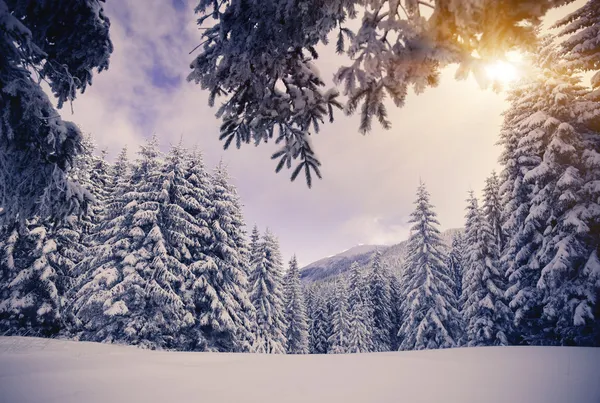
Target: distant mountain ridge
(334,265)
(392,255)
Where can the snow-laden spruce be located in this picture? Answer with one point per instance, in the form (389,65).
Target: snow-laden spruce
(396,301)
(551,256)
(37,265)
(38,258)
(37,147)
(378,280)
(517,157)
(320,322)
(295,311)
(492,208)
(92,172)
(121,171)
(224,310)
(340,319)
(132,290)
(360,338)
(486,315)
(267,296)
(456,265)
(581,47)
(430,315)
(254,249)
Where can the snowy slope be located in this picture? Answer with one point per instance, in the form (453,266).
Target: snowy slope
(51,371)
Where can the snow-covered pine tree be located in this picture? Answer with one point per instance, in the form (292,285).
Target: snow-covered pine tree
(340,320)
(92,173)
(487,317)
(223,307)
(37,270)
(39,266)
(255,249)
(396,299)
(309,296)
(319,323)
(360,334)
(185,226)
(581,48)
(119,183)
(36,146)
(195,200)
(431,317)
(267,297)
(492,209)
(381,299)
(120,172)
(184,215)
(552,290)
(295,312)
(132,289)
(590,194)
(100,179)
(519,155)
(457,264)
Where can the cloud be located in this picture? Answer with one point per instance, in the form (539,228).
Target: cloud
(378,230)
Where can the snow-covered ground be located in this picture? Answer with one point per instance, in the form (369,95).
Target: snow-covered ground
(54,371)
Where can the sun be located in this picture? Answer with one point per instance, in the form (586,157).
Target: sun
(502,71)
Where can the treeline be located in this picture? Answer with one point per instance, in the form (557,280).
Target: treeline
(160,260)
(527,269)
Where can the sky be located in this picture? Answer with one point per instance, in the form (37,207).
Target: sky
(445,137)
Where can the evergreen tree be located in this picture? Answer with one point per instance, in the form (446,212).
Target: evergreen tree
(456,264)
(380,295)
(194,198)
(319,324)
(396,300)
(581,47)
(119,183)
(37,269)
(590,194)
(255,250)
(121,171)
(223,308)
(431,319)
(40,259)
(552,287)
(485,313)
(518,157)
(132,289)
(492,209)
(267,297)
(59,43)
(360,335)
(295,312)
(184,216)
(92,173)
(339,338)
(100,181)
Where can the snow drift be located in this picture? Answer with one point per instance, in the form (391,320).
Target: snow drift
(55,371)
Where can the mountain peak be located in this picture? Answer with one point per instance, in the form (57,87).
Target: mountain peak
(332,266)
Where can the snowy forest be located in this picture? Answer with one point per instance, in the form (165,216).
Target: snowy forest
(155,252)
(163,261)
